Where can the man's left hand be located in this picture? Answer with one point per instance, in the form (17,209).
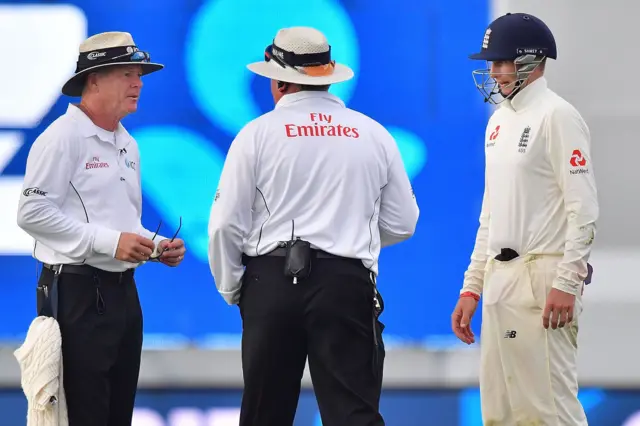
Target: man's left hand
(173,252)
(559,309)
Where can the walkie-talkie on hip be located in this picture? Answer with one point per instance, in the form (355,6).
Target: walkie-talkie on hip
(297,264)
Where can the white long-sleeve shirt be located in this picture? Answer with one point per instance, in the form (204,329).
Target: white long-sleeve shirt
(540,192)
(81,190)
(330,175)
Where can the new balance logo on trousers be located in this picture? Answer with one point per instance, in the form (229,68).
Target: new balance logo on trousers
(510,334)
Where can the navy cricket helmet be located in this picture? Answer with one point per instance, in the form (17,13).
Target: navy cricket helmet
(518,37)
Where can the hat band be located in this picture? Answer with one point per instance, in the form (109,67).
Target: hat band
(111,55)
(311,64)
(292,59)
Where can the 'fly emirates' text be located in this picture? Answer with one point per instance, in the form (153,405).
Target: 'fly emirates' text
(321,127)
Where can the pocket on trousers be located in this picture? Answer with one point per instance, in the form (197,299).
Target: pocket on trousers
(509,284)
(77,303)
(379,326)
(40,300)
(248,280)
(541,281)
(377,308)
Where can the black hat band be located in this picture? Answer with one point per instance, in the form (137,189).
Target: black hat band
(110,55)
(286,58)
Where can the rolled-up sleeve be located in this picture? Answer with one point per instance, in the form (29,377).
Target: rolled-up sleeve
(47,181)
(230,216)
(569,148)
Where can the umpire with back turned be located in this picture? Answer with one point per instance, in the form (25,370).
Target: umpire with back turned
(82,204)
(308,195)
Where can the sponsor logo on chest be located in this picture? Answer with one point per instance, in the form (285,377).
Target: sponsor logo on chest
(95,163)
(523,140)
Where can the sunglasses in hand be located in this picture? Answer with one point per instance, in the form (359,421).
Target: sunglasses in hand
(156,255)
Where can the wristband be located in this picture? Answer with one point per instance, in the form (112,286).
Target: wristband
(470,294)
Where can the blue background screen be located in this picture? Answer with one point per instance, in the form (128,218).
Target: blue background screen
(412,75)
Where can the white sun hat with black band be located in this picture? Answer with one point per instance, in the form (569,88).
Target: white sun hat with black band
(104,50)
(301,55)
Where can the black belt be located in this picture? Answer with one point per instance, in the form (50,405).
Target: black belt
(87,270)
(282,252)
(319,254)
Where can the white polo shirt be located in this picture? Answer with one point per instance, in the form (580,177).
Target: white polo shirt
(315,169)
(81,190)
(540,192)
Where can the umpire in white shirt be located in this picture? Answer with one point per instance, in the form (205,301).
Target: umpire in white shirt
(308,195)
(82,203)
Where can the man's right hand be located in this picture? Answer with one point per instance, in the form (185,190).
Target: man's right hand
(134,248)
(461,319)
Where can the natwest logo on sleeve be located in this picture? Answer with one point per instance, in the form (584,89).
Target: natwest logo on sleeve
(578,163)
(95,163)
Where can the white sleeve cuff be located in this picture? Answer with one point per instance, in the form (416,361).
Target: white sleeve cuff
(567,286)
(106,241)
(231,297)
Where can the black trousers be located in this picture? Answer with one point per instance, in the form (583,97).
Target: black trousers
(329,317)
(101,325)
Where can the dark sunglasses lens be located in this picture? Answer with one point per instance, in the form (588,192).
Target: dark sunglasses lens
(267,53)
(140,57)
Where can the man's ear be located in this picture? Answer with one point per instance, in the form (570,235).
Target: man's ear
(282,86)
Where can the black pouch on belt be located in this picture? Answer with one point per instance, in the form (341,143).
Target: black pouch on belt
(297,263)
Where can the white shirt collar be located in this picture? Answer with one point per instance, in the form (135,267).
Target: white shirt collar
(291,98)
(528,95)
(89,128)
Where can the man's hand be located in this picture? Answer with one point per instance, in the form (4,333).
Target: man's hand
(134,248)
(172,252)
(461,319)
(559,309)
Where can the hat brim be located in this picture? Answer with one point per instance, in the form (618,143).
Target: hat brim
(275,72)
(75,85)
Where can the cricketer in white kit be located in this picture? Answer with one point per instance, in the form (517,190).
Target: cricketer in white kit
(537,226)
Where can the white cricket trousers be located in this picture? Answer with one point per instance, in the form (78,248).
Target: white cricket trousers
(528,375)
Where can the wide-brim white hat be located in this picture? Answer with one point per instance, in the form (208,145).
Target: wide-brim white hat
(301,55)
(105,50)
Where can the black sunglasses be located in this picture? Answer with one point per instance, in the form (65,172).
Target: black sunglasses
(152,257)
(268,55)
(137,56)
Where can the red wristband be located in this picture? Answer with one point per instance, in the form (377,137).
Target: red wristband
(470,294)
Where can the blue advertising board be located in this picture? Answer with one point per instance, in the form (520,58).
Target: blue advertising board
(399,408)
(412,75)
